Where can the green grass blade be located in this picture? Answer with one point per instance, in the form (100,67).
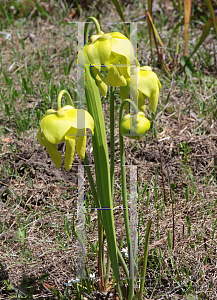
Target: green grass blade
(145,258)
(121,14)
(205,33)
(112,138)
(187,66)
(42,10)
(208,2)
(149,26)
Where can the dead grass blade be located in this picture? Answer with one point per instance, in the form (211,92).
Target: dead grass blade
(187,9)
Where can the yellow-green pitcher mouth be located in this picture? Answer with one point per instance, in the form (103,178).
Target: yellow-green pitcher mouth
(63,126)
(143,83)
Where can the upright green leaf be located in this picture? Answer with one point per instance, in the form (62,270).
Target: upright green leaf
(121,14)
(208,2)
(101,161)
(149,25)
(187,65)
(145,258)
(42,10)
(205,33)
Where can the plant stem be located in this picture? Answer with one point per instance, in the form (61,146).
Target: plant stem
(87,26)
(60,98)
(112,139)
(100,255)
(171,197)
(90,179)
(124,196)
(124,266)
(101,160)
(100,226)
(162,174)
(149,28)
(107,269)
(77,236)
(94,193)
(101,262)
(145,258)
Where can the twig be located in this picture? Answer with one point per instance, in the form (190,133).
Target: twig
(161,166)
(172,210)
(87,296)
(205,245)
(215,60)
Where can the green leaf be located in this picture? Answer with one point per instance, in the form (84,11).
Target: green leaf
(188,221)
(42,10)
(101,160)
(145,259)
(43,277)
(7,110)
(22,43)
(208,2)
(24,84)
(149,25)
(203,36)
(120,12)
(93,248)
(70,65)
(180,8)
(54,291)
(191,297)
(173,186)
(169,239)
(187,193)
(187,65)
(167,99)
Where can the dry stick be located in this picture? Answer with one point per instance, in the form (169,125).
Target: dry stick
(172,209)
(205,245)
(215,60)
(183,230)
(87,296)
(161,166)
(114,293)
(158,52)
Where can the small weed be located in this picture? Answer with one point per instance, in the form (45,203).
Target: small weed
(185,151)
